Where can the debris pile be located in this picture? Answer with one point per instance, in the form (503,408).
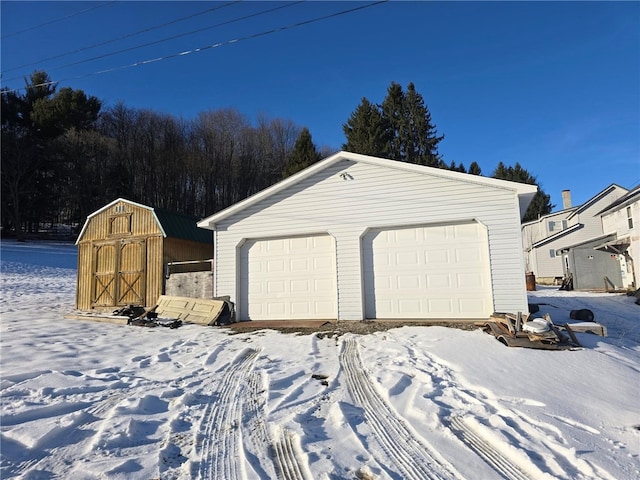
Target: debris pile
(523,331)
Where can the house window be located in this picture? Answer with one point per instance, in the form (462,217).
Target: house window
(551,225)
(552,253)
(629,218)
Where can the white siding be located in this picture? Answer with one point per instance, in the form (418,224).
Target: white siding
(617,222)
(372,197)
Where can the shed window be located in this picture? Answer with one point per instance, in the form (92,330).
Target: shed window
(629,217)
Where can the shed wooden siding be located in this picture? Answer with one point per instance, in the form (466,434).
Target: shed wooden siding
(124,223)
(377,197)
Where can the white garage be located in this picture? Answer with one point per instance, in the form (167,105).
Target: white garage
(288,278)
(354,237)
(435,271)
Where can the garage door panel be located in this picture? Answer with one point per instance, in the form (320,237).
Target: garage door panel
(427,272)
(288,278)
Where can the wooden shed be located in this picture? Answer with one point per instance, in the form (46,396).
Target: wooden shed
(123,250)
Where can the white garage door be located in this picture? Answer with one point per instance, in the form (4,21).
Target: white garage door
(427,272)
(288,278)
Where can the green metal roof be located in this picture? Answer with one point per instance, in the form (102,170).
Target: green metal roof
(177,225)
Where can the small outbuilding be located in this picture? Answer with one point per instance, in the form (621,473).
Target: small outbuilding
(356,237)
(124,249)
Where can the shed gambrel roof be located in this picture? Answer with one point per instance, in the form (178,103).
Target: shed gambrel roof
(525,192)
(172,224)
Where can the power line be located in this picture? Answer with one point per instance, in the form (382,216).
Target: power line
(209,47)
(56,20)
(106,42)
(166,39)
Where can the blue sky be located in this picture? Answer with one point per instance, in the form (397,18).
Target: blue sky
(554,86)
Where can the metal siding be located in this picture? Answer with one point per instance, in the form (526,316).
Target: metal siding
(377,197)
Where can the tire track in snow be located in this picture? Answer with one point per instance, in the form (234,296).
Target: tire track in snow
(486,451)
(288,462)
(287,457)
(221,455)
(516,436)
(413,457)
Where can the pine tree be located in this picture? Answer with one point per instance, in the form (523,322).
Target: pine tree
(541,203)
(366,131)
(474,169)
(303,155)
(400,128)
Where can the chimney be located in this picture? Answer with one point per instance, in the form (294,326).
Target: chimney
(566,199)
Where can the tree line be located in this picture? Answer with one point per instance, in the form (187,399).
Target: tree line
(65,155)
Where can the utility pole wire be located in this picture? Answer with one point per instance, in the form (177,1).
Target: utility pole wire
(166,39)
(129,35)
(56,20)
(209,47)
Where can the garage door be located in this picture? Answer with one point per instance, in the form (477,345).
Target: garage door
(288,278)
(427,272)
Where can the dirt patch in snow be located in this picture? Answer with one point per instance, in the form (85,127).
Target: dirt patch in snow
(331,329)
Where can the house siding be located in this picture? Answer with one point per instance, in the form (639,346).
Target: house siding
(375,197)
(617,221)
(541,263)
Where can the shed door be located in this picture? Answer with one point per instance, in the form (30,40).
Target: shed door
(427,272)
(119,273)
(131,272)
(288,278)
(104,276)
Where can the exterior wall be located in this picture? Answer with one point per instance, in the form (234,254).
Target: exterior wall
(179,250)
(617,222)
(590,267)
(372,196)
(536,230)
(190,284)
(587,218)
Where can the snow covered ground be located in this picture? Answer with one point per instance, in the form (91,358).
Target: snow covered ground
(86,400)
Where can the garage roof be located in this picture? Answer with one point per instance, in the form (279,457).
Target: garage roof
(524,191)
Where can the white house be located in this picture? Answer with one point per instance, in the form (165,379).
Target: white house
(545,237)
(622,220)
(355,237)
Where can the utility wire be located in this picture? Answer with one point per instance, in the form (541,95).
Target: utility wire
(56,20)
(166,39)
(209,47)
(106,42)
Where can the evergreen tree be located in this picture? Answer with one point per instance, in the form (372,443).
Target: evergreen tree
(414,137)
(400,128)
(541,203)
(303,155)
(35,170)
(366,131)
(474,169)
